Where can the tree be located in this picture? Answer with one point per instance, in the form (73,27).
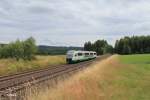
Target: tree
(30,48)
(16,50)
(108,49)
(88,46)
(99,46)
(133,45)
(126,49)
(19,49)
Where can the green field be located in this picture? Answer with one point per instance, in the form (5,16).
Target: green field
(11,66)
(136,59)
(134,78)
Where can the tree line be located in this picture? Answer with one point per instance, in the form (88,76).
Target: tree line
(125,45)
(55,50)
(19,49)
(27,49)
(99,46)
(133,45)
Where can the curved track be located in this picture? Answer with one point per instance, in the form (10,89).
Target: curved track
(19,81)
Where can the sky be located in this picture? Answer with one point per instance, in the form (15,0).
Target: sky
(73,22)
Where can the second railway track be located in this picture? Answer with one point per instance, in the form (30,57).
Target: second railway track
(17,82)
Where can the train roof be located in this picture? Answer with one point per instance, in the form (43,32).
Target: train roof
(78,51)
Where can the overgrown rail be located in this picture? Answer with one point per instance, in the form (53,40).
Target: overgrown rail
(20,81)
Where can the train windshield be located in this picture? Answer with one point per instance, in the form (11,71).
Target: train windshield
(70,54)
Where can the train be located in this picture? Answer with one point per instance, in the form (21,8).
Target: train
(74,56)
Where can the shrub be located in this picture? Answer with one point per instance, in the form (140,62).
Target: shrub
(19,50)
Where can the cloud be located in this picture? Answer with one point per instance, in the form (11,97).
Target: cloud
(72,22)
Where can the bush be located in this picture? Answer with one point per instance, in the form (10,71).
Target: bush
(19,50)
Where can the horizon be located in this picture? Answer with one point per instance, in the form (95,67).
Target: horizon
(70,45)
(72,23)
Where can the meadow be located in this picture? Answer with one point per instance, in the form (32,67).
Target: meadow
(11,66)
(134,80)
(119,77)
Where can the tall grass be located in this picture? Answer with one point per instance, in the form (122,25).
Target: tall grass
(10,66)
(85,85)
(106,80)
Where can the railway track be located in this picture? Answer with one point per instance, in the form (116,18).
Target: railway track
(17,82)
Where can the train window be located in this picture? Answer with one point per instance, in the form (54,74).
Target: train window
(86,54)
(76,55)
(94,53)
(79,54)
(91,53)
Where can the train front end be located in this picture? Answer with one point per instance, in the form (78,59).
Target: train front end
(69,57)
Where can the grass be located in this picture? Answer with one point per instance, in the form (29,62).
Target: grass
(11,66)
(116,78)
(136,59)
(135,77)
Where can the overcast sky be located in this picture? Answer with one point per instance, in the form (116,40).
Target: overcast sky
(72,22)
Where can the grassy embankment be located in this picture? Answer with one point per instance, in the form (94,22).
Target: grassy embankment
(10,66)
(117,78)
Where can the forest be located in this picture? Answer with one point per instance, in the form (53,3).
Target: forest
(125,45)
(133,45)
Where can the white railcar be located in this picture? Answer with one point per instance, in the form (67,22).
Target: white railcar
(78,56)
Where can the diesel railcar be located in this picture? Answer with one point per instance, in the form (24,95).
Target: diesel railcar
(78,56)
